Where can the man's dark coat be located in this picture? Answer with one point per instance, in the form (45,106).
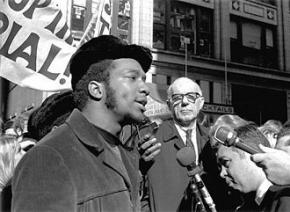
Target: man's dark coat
(71,169)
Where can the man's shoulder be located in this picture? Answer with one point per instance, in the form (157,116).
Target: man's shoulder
(57,136)
(277,199)
(203,129)
(279,191)
(168,123)
(59,143)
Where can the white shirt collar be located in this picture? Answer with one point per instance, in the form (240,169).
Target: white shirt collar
(262,190)
(182,132)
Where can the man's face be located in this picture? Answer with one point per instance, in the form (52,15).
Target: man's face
(127,91)
(185,102)
(238,170)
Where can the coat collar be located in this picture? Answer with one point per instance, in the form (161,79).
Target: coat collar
(172,134)
(88,134)
(85,130)
(171,130)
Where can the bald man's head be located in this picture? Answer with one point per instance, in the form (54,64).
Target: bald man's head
(185,100)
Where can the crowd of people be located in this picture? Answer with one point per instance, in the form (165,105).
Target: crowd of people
(78,154)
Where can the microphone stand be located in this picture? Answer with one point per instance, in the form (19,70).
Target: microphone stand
(196,204)
(197,190)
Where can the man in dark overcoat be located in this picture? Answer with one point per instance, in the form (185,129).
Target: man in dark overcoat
(82,165)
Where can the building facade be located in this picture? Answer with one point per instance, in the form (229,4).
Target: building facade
(237,50)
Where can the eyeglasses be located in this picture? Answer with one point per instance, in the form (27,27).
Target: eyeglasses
(191,97)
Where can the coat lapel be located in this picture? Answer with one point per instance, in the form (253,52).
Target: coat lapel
(112,161)
(201,137)
(173,135)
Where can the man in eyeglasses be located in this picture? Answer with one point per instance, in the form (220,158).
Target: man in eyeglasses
(167,180)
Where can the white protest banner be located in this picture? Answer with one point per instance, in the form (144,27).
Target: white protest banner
(100,23)
(35,44)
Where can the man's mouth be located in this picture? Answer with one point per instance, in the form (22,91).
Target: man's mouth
(230,182)
(142,103)
(186,111)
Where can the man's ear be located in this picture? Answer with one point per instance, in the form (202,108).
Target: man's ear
(200,102)
(168,104)
(96,90)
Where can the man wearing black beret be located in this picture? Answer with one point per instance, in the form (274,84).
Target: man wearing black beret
(82,165)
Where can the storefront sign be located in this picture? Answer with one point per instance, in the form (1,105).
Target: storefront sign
(211,108)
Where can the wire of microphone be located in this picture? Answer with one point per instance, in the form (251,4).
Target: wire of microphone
(186,158)
(229,137)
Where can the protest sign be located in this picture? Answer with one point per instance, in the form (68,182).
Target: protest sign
(35,44)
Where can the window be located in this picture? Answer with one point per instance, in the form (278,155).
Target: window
(178,25)
(217,93)
(253,43)
(78,15)
(251,35)
(205,87)
(124,19)
(159,24)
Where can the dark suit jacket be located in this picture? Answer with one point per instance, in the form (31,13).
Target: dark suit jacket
(167,179)
(72,169)
(277,199)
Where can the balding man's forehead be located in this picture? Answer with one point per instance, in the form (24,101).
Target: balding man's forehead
(186,86)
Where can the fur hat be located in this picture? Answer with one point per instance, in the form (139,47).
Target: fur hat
(52,112)
(106,47)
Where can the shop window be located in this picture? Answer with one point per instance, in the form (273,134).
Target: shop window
(179,25)
(253,43)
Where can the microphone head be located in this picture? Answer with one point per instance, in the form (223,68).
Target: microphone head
(186,156)
(225,136)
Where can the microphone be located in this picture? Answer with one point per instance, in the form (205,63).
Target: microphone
(186,158)
(147,128)
(229,137)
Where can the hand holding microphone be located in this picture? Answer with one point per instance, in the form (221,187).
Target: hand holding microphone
(186,158)
(148,146)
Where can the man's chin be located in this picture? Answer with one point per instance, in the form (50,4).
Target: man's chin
(135,119)
(235,187)
(186,121)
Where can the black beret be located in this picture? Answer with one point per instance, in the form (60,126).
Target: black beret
(106,47)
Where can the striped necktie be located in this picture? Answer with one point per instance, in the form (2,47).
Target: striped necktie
(188,138)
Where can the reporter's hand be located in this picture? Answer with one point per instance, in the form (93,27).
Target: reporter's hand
(149,147)
(275,163)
